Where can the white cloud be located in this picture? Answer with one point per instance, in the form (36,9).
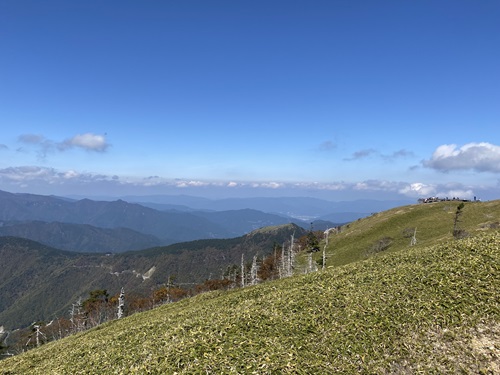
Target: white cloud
(377,185)
(480,157)
(70,174)
(418,189)
(26,173)
(192,183)
(422,190)
(361,154)
(334,186)
(327,146)
(454,193)
(43,175)
(370,152)
(42,144)
(271,185)
(52,181)
(87,141)
(400,154)
(32,138)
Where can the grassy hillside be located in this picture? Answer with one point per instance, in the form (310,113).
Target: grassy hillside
(434,223)
(427,309)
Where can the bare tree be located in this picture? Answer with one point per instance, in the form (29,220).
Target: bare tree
(254,271)
(311,266)
(76,316)
(413,241)
(281,265)
(327,234)
(38,335)
(287,259)
(242,271)
(121,304)
(291,254)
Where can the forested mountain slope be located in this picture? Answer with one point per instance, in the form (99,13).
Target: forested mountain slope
(40,283)
(80,237)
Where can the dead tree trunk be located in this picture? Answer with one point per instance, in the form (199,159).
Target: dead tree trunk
(121,304)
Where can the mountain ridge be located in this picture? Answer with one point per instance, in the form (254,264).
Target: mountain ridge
(167,226)
(307,207)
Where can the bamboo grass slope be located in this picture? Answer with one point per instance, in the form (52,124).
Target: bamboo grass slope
(429,310)
(433,223)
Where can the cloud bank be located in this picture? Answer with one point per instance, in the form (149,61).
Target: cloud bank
(479,157)
(41,180)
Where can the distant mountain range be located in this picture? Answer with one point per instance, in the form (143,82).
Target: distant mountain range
(168,227)
(304,208)
(115,226)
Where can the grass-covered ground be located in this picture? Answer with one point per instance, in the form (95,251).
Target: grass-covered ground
(434,223)
(425,309)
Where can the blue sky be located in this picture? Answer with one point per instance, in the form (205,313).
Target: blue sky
(335,99)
